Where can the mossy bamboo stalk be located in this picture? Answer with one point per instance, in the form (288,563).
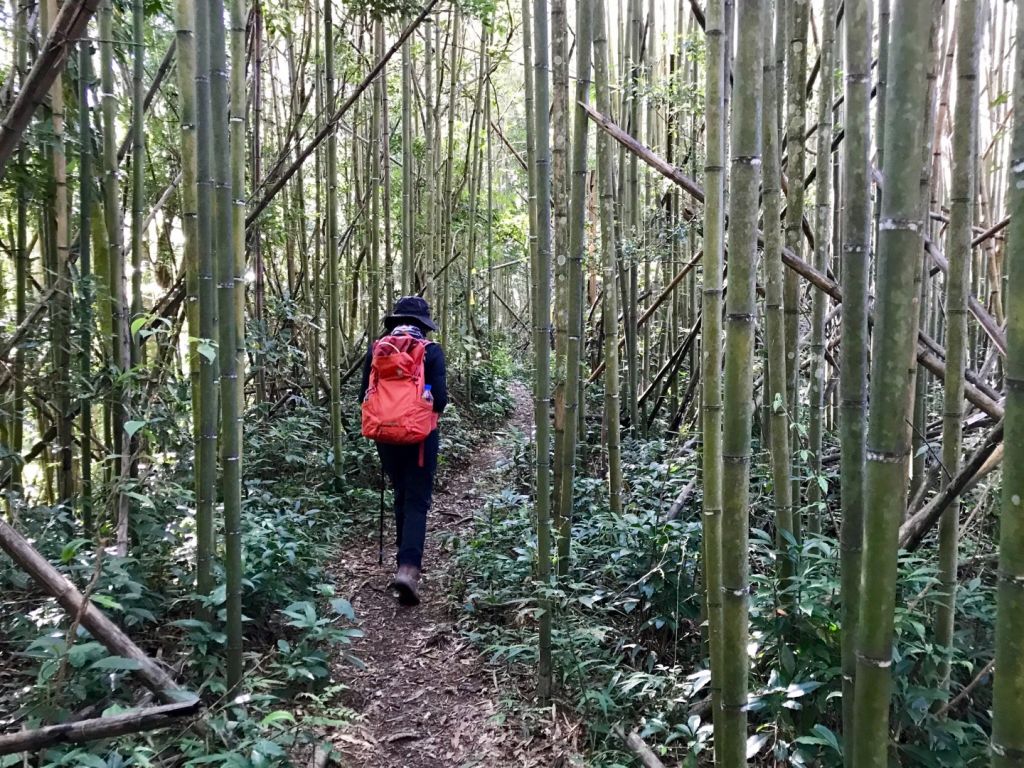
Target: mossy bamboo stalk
(21,265)
(888,443)
(574,285)
(408,172)
(379,206)
(224,234)
(969,15)
(796,127)
(775,396)
(60,305)
(856,254)
(711,349)
(1008,694)
(541,334)
(333,273)
(119,342)
(822,243)
(186,69)
(138,166)
(85,317)
(737,391)
(208,310)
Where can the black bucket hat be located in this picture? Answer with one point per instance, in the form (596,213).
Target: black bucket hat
(410,308)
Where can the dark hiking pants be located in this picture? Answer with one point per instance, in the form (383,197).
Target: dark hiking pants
(413,485)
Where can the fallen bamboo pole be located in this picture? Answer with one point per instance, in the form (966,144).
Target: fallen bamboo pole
(66,30)
(639,747)
(642,320)
(929,353)
(278,183)
(96,728)
(57,585)
(914,529)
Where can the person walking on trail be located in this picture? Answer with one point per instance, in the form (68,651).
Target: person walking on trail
(404,391)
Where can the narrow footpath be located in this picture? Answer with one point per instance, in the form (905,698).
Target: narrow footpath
(426,698)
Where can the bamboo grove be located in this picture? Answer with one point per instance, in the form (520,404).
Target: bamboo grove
(780,241)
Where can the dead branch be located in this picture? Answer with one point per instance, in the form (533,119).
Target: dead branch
(98,728)
(66,30)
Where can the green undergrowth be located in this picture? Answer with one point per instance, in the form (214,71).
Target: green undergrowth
(629,640)
(295,519)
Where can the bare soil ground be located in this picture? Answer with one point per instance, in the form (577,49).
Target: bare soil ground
(426,697)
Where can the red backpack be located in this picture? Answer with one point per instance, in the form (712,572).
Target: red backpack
(394,410)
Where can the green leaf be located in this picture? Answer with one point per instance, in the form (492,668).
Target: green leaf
(107,602)
(207,349)
(755,744)
(343,607)
(131,427)
(829,737)
(140,322)
(67,554)
(278,716)
(823,483)
(117,663)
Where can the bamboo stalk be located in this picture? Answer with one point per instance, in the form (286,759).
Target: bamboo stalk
(94,729)
(1007,743)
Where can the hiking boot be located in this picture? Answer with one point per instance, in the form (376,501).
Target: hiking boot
(406,583)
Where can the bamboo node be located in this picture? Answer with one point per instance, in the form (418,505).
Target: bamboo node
(877,663)
(905,225)
(886,457)
(1011,579)
(1004,751)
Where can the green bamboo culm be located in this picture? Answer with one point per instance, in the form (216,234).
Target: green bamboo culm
(230,382)
(238,13)
(822,242)
(796,127)
(209,363)
(185,50)
(737,390)
(782,489)
(541,333)
(560,175)
(85,318)
(408,174)
(378,147)
(856,253)
(138,134)
(21,267)
(574,288)
(119,343)
(711,349)
(1008,692)
(58,276)
(958,282)
(333,276)
(609,309)
(893,344)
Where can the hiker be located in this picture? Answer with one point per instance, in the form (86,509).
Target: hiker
(403,392)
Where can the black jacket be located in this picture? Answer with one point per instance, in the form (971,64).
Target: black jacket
(434,373)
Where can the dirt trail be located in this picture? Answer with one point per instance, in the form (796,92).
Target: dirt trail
(426,698)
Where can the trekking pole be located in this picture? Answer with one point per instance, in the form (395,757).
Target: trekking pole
(380,559)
